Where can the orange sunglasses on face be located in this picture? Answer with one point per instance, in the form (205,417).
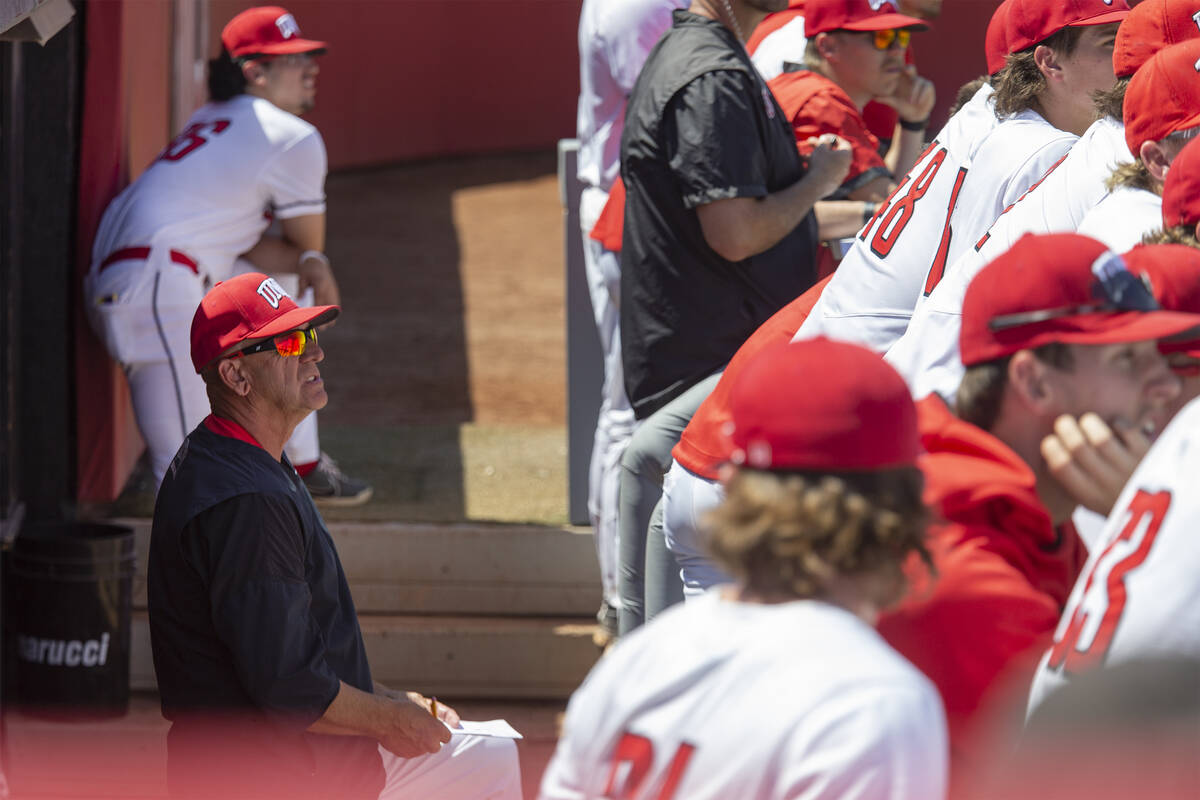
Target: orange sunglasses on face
(287,344)
(885,38)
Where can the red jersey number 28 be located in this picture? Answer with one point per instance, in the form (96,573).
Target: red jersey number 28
(632,761)
(1075,651)
(193,137)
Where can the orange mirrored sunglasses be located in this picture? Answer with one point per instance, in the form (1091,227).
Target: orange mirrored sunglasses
(287,344)
(885,38)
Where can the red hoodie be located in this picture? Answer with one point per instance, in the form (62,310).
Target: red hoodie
(1004,572)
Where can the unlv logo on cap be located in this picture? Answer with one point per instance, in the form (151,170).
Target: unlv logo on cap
(878,4)
(287,26)
(272,292)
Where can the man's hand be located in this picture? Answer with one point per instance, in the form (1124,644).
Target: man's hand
(410,730)
(914,96)
(1091,460)
(317,273)
(828,163)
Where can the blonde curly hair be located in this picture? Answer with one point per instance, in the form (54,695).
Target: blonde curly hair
(788,534)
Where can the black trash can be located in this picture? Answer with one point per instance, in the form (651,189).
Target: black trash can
(69,594)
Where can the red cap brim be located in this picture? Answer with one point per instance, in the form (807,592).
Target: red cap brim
(296,318)
(1101,19)
(883,22)
(288,47)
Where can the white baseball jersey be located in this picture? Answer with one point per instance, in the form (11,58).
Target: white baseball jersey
(718,699)
(974,168)
(1123,217)
(615,36)
(785,44)
(1139,594)
(211,188)
(927,354)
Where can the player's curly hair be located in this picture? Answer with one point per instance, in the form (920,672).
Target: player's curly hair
(1178,234)
(982,389)
(967,91)
(1111,102)
(225,78)
(1019,81)
(786,535)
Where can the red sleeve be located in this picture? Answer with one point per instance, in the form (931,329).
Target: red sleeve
(609,229)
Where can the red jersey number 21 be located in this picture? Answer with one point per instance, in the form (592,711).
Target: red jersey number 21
(631,764)
(1076,652)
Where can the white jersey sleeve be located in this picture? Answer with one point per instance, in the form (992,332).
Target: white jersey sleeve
(1139,594)
(927,354)
(792,700)
(295,180)
(1122,218)
(779,46)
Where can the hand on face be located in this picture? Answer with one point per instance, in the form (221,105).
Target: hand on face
(913,97)
(1092,460)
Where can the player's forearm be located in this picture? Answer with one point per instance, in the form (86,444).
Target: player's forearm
(906,146)
(742,227)
(273,255)
(838,219)
(353,712)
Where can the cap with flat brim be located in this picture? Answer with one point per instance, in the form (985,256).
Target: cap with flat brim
(286,48)
(266,31)
(1097,328)
(883,22)
(244,308)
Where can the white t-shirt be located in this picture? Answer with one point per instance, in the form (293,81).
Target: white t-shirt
(927,354)
(1139,594)
(975,167)
(785,44)
(1123,217)
(210,191)
(615,36)
(718,699)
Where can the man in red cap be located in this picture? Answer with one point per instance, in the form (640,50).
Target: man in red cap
(1181,201)
(1058,326)
(1058,201)
(776,686)
(257,650)
(199,213)
(855,53)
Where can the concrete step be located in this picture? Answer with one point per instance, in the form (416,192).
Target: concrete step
(127,757)
(465,569)
(452,656)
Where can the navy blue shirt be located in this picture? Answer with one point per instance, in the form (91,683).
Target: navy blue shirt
(252,627)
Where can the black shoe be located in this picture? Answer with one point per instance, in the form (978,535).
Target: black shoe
(329,486)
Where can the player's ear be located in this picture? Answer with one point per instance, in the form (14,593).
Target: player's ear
(1156,159)
(254,72)
(826,44)
(233,376)
(1028,378)
(1048,63)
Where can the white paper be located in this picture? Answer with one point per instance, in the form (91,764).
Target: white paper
(498,728)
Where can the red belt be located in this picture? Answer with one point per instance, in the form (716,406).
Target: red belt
(142,253)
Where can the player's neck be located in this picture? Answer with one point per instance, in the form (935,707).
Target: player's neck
(1060,111)
(267,429)
(743,21)
(1025,439)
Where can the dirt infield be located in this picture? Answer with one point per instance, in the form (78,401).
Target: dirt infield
(452,285)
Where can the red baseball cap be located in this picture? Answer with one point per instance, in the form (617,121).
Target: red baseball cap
(1174,274)
(266,30)
(821,404)
(1151,26)
(249,306)
(1063,287)
(822,16)
(1164,95)
(1033,21)
(1181,189)
(995,42)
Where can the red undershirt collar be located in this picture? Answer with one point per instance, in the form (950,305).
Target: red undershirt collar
(227,427)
